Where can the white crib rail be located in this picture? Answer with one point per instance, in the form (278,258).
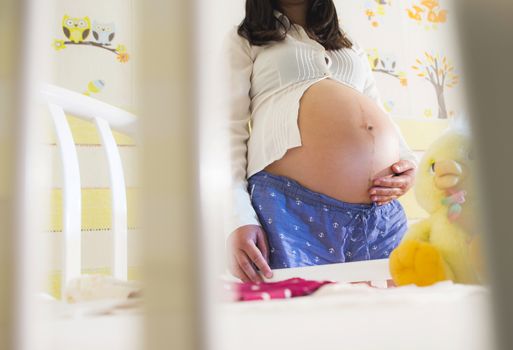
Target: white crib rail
(118,199)
(88,108)
(71,196)
(374,271)
(105,118)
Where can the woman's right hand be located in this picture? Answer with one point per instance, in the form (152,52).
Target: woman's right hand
(247,247)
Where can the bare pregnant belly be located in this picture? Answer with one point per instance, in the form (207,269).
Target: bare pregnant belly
(347,141)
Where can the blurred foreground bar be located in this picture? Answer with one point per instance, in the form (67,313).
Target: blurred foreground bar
(10,18)
(166,90)
(486,29)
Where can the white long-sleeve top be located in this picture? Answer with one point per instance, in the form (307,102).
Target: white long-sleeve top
(265,86)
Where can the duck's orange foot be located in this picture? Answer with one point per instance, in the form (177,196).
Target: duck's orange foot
(417,262)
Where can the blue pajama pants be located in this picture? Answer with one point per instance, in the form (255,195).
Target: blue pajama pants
(307,228)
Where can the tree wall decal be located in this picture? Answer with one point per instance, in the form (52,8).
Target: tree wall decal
(440,73)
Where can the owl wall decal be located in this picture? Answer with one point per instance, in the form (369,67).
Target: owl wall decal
(76,29)
(388,63)
(103,33)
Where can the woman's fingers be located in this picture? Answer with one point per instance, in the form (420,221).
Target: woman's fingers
(402,166)
(383,195)
(233,265)
(246,265)
(385,191)
(383,199)
(389,188)
(248,253)
(237,272)
(399,181)
(262,244)
(405,180)
(257,256)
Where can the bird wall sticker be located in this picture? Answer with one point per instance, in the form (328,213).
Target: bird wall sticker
(386,64)
(78,30)
(103,33)
(94,87)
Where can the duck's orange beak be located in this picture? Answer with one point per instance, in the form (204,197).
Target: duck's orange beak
(447,174)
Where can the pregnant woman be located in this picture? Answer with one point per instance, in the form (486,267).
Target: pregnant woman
(317,164)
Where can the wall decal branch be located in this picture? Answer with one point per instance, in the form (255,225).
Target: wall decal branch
(77,30)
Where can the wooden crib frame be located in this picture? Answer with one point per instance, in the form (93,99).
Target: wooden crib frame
(106,118)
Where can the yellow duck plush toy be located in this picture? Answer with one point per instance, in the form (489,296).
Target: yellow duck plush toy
(443,246)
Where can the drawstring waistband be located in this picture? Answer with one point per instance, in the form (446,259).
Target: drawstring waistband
(295,190)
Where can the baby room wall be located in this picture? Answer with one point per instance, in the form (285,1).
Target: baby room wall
(97,60)
(414,53)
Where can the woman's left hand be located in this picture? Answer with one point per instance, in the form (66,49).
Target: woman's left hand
(386,189)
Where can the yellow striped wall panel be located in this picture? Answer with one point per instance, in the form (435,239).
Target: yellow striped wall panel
(93,164)
(420,134)
(84,133)
(96,209)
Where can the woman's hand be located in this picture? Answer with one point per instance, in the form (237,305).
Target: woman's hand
(247,248)
(386,189)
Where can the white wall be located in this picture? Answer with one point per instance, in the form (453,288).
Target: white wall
(76,66)
(397,37)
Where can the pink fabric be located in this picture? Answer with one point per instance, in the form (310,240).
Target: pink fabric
(293,287)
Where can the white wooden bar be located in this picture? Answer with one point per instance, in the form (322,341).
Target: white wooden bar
(119,201)
(24,57)
(10,16)
(167,94)
(88,108)
(71,197)
(374,271)
(486,32)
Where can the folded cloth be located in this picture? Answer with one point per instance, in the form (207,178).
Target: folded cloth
(290,288)
(100,287)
